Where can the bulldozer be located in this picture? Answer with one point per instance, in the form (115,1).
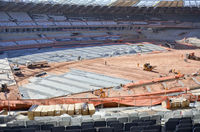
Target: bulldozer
(148,67)
(192,56)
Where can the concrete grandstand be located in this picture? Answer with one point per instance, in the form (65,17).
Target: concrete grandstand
(99,66)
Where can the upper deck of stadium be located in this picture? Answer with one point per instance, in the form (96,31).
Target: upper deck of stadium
(108,3)
(126,3)
(102,7)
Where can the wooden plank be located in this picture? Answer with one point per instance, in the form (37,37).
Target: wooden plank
(78,107)
(91,109)
(174,3)
(37,111)
(64,109)
(84,109)
(51,111)
(169,3)
(134,2)
(57,110)
(128,3)
(44,111)
(161,4)
(180,3)
(71,109)
(31,112)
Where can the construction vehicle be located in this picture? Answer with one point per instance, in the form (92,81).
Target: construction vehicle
(40,74)
(148,67)
(192,56)
(197,73)
(174,71)
(39,64)
(101,93)
(16,70)
(4,88)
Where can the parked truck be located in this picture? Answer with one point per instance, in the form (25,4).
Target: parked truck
(38,64)
(192,56)
(16,70)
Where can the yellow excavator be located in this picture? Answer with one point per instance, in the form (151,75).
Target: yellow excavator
(148,67)
(101,93)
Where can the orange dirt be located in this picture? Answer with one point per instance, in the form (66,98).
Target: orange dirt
(126,66)
(13,94)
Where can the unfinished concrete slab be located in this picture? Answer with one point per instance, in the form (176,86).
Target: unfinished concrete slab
(75,81)
(71,54)
(6,75)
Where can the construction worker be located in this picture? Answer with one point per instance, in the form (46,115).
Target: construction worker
(79,58)
(92,90)
(105,62)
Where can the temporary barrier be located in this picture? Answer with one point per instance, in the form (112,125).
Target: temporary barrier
(139,100)
(147,82)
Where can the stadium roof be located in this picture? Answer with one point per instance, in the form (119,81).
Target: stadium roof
(112,8)
(139,3)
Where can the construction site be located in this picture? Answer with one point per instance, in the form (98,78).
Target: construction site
(140,75)
(95,72)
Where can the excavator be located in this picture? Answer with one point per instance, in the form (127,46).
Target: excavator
(148,67)
(101,93)
(192,56)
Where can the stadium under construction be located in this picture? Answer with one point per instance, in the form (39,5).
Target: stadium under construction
(99,66)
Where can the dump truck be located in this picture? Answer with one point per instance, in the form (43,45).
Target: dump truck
(39,64)
(148,67)
(192,56)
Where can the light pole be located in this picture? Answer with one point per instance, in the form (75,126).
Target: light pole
(8,102)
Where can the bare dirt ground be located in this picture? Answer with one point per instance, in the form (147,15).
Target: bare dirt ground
(131,66)
(13,94)
(128,67)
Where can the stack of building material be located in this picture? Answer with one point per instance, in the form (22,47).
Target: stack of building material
(175,103)
(179,102)
(57,110)
(30,112)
